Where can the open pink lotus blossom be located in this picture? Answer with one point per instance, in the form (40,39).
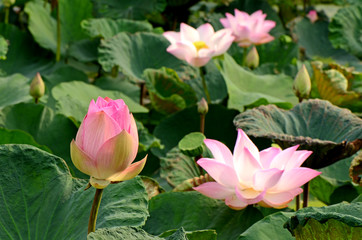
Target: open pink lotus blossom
(271,177)
(249,29)
(312,15)
(107,143)
(198,46)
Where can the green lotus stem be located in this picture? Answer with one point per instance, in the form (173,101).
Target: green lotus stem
(57,56)
(305,194)
(94,211)
(202,123)
(7,11)
(297,202)
(204,85)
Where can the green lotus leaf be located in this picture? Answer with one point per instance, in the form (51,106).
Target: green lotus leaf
(244,87)
(209,234)
(107,28)
(332,133)
(135,53)
(192,144)
(193,211)
(136,9)
(24,56)
(146,139)
(18,86)
(337,86)
(3,48)
(188,120)
(345,29)
(313,38)
(43,26)
(316,223)
(121,233)
(41,200)
(73,98)
(334,184)
(168,93)
(269,228)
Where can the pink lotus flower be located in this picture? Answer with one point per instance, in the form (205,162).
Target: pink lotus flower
(107,143)
(271,177)
(312,15)
(198,46)
(249,29)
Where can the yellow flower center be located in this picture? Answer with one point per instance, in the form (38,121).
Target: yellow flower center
(200,45)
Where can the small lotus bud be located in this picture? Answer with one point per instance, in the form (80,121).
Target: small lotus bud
(37,87)
(99,183)
(302,84)
(8,3)
(312,15)
(252,59)
(202,106)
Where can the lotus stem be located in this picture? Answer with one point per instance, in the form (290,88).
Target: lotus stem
(57,56)
(204,85)
(305,194)
(7,12)
(142,92)
(297,202)
(94,211)
(202,123)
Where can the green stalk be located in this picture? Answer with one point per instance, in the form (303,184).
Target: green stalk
(204,85)
(7,12)
(57,56)
(94,211)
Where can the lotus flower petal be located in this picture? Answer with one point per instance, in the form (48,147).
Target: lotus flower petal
(81,160)
(267,156)
(235,203)
(280,199)
(132,171)
(214,190)
(220,152)
(222,173)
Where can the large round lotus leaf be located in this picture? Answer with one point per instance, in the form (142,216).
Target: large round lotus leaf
(245,87)
(193,211)
(107,28)
(43,26)
(14,89)
(135,53)
(56,131)
(73,98)
(313,38)
(41,200)
(269,228)
(345,29)
(316,223)
(332,133)
(136,9)
(24,55)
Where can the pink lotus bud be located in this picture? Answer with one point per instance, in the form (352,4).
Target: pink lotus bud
(302,84)
(252,59)
(249,29)
(107,143)
(312,15)
(202,106)
(37,87)
(198,46)
(271,178)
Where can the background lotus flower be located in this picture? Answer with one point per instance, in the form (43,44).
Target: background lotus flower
(249,29)
(312,15)
(271,177)
(198,46)
(106,143)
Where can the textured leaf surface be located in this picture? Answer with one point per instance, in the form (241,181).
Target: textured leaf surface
(43,26)
(107,28)
(193,211)
(315,125)
(345,29)
(18,86)
(136,9)
(245,88)
(316,223)
(168,93)
(73,98)
(135,53)
(121,233)
(269,228)
(47,128)
(41,200)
